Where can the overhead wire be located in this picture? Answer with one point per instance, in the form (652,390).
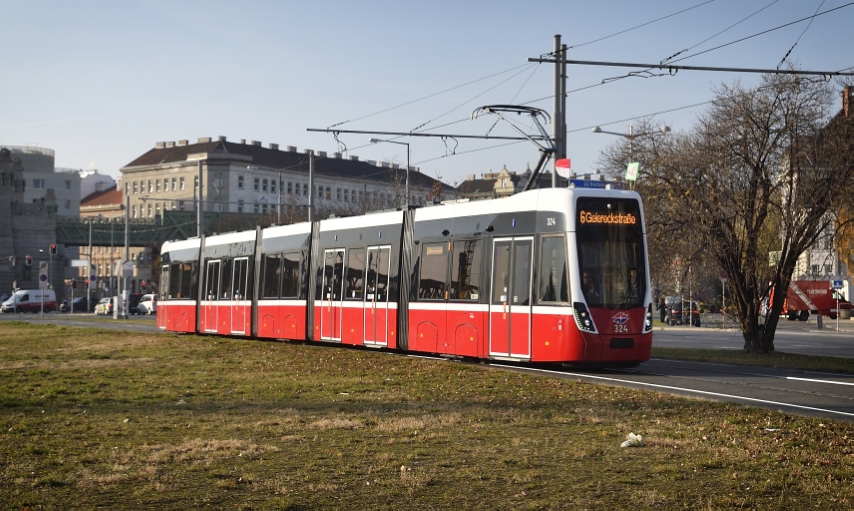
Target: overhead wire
(719,33)
(799,37)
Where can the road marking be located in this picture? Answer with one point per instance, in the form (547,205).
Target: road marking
(731,396)
(820,381)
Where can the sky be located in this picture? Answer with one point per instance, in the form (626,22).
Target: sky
(100,82)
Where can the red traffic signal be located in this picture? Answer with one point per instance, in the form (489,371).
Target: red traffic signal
(143,284)
(53,249)
(29,260)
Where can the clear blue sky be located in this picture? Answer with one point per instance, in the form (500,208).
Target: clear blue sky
(101,82)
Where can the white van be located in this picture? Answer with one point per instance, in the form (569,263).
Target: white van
(30,300)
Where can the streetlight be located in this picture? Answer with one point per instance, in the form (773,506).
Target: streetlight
(378,140)
(631,135)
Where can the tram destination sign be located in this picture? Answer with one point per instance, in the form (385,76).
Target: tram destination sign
(593,183)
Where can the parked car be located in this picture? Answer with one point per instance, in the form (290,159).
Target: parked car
(81,304)
(147,304)
(673,314)
(105,306)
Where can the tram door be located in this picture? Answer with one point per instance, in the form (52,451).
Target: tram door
(211,295)
(242,302)
(376,295)
(510,303)
(333,291)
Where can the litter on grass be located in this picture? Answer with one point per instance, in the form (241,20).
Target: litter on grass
(632,440)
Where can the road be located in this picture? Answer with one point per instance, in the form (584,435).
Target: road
(798,392)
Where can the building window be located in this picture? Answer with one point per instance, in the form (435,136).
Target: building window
(134,212)
(150,186)
(240,206)
(304,189)
(256,208)
(329,192)
(174,187)
(264,208)
(180,202)
(338,194)
(149,210)
(127,188)
(182,185)
(264,186)
(290,190)
(272,186)
(157,185)
(828,269)
(38,183)
(360,195)
(346,195)
(240,182)
(195,182)
(68,185)
(257,183)
(174,206)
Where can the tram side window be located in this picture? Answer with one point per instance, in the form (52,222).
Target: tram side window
(164,282)
(225,280)
(554,279)
(241,283)
(354,283)
(434,271)
(182,281)
(290,275)
(271,272)
(465,270)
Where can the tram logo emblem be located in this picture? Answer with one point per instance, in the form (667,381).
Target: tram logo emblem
(620,318)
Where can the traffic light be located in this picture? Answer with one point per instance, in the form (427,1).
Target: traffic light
(29,260)
(143,284)
(53,249)
(73,283)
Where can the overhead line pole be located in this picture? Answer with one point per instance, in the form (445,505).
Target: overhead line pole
(670,67)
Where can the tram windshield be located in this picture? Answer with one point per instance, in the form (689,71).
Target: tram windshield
(611,256)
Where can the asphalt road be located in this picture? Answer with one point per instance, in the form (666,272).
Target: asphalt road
(798,392)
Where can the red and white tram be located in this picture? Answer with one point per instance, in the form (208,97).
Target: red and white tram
(547,275)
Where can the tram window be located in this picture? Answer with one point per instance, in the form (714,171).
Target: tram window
(354,283)
(164,282)
(182,281)
(331,275)
(271,273)
(554,285)
(240,284)
(465,270)
(225,292)
(290,275)
(434,271)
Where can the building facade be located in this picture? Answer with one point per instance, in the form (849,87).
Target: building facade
(248,177)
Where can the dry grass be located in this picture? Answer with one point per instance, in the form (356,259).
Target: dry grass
(120,420)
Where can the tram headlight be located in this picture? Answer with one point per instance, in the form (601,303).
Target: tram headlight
(648,323)
(582,317)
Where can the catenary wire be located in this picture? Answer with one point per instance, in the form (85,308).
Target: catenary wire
(799,37)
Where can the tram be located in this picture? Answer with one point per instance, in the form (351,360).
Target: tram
(557,275)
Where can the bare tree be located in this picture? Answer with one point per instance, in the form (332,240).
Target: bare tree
(759,178)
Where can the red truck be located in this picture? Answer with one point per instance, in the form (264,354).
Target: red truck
(813,296)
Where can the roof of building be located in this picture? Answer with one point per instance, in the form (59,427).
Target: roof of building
(272,157)
(473,186)
(112,196)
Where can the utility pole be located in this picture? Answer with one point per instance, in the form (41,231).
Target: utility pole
(311,187)
(559,114)
(200,216)
(124,296)
(279,208)
(91,270)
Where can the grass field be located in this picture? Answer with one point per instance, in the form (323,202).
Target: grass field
(122,420)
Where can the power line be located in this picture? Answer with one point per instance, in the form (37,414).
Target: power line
(428,96)
(635,27)
(799,37)
(721,32)
(764,32)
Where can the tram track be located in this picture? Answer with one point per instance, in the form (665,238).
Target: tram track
(839,405)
